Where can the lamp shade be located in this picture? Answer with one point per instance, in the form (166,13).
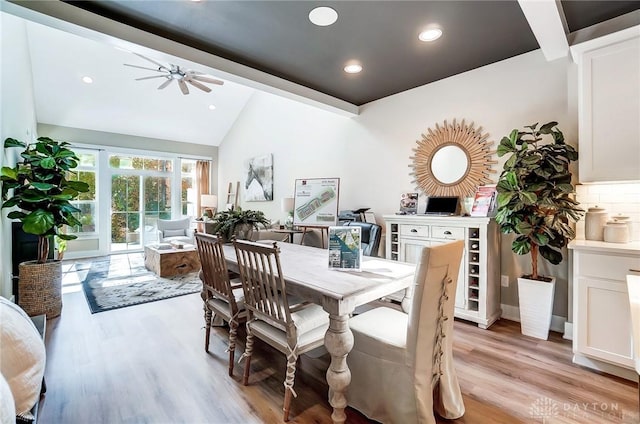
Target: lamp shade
(286,204)
(209,201)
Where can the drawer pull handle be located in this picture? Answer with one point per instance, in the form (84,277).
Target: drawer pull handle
(634,270)
(448,233)
(413,230)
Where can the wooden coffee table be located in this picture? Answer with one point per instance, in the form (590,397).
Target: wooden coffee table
(170,262)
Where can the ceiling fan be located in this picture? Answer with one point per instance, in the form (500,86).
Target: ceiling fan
(176,73)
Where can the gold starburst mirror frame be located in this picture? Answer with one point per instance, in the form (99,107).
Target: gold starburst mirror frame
(452,160)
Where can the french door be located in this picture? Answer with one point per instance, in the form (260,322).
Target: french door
(137,202)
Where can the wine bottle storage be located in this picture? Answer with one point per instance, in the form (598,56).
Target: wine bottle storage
(478,291)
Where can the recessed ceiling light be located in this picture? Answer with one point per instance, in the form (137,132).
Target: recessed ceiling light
(212,107)
(353,68)
(87,80)
(323,16)
(430,34)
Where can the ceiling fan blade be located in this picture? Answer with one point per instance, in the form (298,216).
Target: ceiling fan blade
(160,65)
(198,85)
(155,76)
(206,79)
(142,67)
(164,84)
(183,87)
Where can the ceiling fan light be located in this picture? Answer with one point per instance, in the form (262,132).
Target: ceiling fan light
(431,34)
(323,16)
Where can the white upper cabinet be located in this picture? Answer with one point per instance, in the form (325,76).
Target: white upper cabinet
(609,107)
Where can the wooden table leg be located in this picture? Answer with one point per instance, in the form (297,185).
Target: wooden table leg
(339,341)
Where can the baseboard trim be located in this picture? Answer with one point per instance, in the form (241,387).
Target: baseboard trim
(512,313)
(568,331)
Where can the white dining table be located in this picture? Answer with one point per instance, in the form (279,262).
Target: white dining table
(307,275)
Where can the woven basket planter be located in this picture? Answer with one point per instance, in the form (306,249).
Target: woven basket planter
(40,288)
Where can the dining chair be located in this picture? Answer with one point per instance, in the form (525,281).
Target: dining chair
(220,294)
(633,288)
(402,365)
(292,327)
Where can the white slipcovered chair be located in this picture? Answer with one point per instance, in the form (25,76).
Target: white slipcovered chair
(175,230)
(633,286)
(402,365)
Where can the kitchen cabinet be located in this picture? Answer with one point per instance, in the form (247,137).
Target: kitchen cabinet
(602,337)
(478,289)
(609,107)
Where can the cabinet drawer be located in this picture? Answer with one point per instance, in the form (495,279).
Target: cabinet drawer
(451,233)
(414,230)
(610,267)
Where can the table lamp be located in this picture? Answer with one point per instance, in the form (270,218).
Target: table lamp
(287,207)
(209,204)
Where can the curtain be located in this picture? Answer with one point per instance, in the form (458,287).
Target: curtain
(202,175)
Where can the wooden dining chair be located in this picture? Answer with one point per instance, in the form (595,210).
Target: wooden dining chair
(273,317)
(402,365)
(220,294)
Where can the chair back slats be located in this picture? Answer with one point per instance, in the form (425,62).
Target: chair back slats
(264,287)
(214,268)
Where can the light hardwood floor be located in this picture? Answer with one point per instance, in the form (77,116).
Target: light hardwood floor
(146,364)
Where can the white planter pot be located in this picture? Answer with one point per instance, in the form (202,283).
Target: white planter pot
(536,305)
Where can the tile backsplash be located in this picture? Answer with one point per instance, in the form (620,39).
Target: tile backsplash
(617,199)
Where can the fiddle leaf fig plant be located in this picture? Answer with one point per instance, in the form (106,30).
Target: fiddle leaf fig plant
(225,222)
(41,190)
(535,194)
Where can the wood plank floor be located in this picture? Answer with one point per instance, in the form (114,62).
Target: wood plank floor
(146,364)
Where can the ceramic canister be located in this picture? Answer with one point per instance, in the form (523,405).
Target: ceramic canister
(594,222)
(616,232)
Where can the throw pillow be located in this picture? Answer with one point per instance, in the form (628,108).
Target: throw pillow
(22,356)
(174,233)
(7,405)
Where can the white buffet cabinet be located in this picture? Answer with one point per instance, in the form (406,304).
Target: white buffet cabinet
(478,291)
(602,337)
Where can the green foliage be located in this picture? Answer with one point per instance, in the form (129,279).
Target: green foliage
(535,193)
(41,190)
(225,222)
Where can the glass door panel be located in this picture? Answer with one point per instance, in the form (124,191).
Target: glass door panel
(157,205)
(125,212)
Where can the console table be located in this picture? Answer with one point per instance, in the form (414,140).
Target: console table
(478,292)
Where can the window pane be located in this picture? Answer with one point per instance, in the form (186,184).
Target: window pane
(87,159)
(188,166)
(151,164)
(125,190)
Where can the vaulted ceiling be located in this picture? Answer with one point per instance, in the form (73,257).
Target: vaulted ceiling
(273,43)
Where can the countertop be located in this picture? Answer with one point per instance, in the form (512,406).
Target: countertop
(630,248)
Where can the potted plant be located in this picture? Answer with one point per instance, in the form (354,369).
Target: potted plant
(535,202)
(239,223)
(42,194)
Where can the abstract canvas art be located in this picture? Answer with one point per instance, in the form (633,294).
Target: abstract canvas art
(259,180)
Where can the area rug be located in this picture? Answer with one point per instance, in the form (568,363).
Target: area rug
(107,293)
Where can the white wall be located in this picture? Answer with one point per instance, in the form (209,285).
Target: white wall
(18,117)
(370,153)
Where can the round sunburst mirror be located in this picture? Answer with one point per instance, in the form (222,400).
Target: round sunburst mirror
(452,160)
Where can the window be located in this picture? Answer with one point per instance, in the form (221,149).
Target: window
(189,191)
(86,202)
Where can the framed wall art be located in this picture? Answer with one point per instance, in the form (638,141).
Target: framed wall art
(259,179)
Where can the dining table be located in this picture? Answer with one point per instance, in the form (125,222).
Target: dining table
(307,275)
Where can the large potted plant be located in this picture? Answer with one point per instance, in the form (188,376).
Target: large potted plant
(535,202)
(42,194)
(239,223)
